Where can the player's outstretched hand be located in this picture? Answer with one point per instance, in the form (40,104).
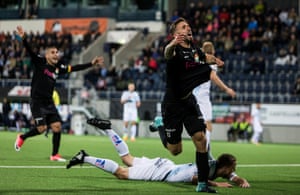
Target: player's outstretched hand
(245,184)
(98,60)
(231,92)
(211,59)
(219,62)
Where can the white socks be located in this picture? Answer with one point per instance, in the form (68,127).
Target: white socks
(104,164)
(118,143)
(207,138)
(210,156)
(133,131)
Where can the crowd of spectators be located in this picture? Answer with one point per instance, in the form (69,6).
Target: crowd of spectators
(253,39)
(260,34)
(265,37)
(14,59)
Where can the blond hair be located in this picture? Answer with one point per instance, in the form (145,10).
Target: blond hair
(208,47)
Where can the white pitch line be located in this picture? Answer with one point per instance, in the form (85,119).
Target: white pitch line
(270,165)
(40,167)
(63,167)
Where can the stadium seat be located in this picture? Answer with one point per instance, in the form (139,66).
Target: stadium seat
(275,99)
(266,99)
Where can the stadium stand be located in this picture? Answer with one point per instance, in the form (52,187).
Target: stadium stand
(240,30)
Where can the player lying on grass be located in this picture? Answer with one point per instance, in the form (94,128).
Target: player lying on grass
(156,169)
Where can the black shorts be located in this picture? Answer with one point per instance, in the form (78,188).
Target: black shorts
(177,113)
(44,112)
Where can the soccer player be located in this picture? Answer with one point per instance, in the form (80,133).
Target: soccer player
(256,123)
(202,93)
(156,169)
(187,67)
(131,102)
(44,112)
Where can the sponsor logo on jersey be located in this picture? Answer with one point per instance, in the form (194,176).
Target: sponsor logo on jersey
(50,74)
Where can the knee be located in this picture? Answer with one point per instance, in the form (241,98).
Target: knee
(174,150)
(121,173)
(56,127)
(41,129)
(199,137)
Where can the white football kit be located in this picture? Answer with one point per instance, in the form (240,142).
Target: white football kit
(130,112)
(256,123)
(202,94)
(161,169)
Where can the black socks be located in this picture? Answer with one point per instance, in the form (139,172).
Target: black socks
(202,165)
(33,132)
(56,143)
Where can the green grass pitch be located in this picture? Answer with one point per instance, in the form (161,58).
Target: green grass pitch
(270,168)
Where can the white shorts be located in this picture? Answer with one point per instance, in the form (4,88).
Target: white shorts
(130,115)
(203,100)
(257,127)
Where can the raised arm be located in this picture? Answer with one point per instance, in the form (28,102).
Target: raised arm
(21,33)
(95,62)
(211,59)
(216,79)
(170,48)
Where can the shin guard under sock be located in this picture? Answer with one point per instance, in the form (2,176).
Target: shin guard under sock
(56,142)
(202,165)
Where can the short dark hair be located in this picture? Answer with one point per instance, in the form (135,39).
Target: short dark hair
(174,24)
(226,160)
(52,45)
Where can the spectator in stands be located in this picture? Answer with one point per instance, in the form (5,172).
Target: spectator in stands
(25,72)
(256,64)
(292,58)
(282,59)
(175,16)
(259,7)
(111,76)
(152,64)
(6,109)
(296,88)
(232,132)
(91,35)
(245,130)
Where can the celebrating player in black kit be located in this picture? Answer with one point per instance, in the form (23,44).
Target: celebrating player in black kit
(44,112)
(187,67)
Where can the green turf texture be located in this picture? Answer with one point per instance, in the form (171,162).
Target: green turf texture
(270,168)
